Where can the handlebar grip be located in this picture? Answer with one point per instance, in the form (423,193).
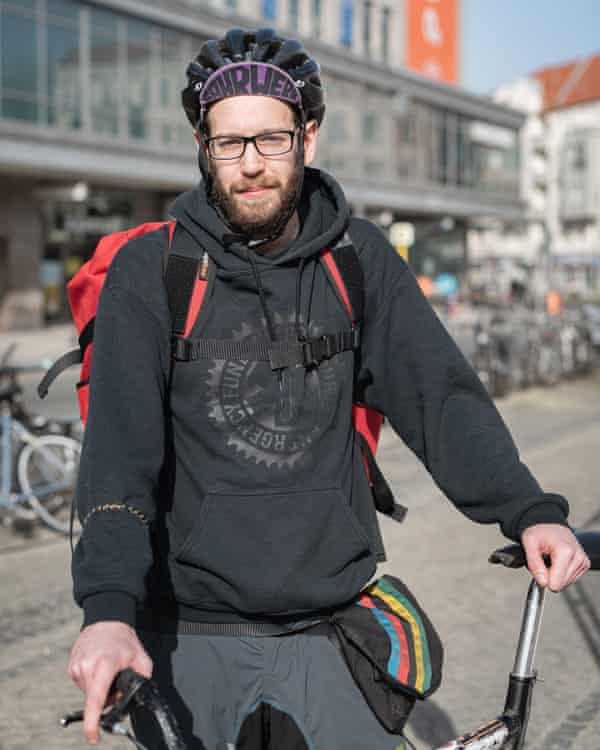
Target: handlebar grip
(128,681)
(141,692)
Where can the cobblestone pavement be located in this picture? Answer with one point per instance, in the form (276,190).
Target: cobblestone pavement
(439,554)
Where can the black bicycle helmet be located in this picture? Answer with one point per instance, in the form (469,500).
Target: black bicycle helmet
(264,45)
(253,62)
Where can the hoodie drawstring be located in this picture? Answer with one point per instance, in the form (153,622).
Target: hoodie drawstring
(263,300)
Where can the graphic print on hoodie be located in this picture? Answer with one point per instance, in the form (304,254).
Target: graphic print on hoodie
(220,490)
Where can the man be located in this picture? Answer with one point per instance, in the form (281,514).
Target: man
(228,493)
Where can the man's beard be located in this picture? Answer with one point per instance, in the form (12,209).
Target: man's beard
(263,220)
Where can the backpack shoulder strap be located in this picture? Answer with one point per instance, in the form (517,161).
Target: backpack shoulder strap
(188,272)
(344,270)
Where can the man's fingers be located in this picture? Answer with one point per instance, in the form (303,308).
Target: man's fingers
(97,693)
(561,561)
(579,565)
(537,566)
(142,664)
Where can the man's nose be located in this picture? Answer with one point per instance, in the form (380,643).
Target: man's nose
(252,162)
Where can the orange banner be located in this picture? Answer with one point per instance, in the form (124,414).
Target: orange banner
(432,38)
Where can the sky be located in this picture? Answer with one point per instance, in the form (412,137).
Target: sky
(505,39)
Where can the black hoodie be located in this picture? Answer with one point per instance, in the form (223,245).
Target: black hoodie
(221,490)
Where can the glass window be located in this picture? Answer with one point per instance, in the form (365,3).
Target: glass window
(269,10)
(139,65)
(385,34)
(371,128)
(64,94)
(439,153)
(63,9)
(105,72)
(18,61)
(367,7)
(347,23)
(494,157)
(173,50)
(294,14)
(337,127)
(317,12)
(464,154)
(231,4)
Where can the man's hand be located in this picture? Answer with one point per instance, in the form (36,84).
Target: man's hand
(569,561)
(99,654)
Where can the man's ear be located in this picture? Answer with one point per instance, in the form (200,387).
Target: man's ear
(311,132)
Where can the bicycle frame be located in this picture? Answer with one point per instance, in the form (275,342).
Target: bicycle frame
(507,732)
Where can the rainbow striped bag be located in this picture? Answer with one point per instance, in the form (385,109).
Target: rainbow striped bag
(391,648)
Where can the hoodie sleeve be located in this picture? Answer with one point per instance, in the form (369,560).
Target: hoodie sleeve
(123,448)
(413,372)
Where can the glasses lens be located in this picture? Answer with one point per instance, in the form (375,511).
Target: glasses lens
(273,144)
(226,148)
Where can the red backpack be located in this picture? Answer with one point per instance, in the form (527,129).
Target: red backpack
(189,273)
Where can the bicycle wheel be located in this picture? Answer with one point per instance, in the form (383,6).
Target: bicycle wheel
(47,472)
(16,510)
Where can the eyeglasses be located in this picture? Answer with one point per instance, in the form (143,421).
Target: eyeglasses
(275,143)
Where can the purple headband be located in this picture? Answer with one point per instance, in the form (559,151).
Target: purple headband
(249,79)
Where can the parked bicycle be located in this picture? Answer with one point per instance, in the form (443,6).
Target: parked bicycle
(505,732)
(39,458)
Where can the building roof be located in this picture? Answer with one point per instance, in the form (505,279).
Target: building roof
(570,84)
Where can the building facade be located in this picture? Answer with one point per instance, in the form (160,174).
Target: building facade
(93,138)
(560,179)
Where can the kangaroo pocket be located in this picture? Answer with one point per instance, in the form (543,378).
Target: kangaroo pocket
(273,553)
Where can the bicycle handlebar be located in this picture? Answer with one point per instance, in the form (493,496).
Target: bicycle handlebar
(137,693)
(513,556)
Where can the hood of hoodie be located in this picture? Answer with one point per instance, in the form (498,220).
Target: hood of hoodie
(322,209)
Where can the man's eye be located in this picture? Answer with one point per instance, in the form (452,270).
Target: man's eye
(228,142)
(272,138)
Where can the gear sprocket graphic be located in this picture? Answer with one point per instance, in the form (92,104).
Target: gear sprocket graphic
(259,412)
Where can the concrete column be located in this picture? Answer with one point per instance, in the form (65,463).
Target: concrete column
(21,232)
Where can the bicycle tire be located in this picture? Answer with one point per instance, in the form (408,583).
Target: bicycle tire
(56,459)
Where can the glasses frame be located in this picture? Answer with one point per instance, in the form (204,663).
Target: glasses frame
(246,139)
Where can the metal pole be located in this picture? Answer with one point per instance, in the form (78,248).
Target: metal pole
(530,629)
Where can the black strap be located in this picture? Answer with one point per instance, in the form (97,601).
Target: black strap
(280,354)
(180,279)
(87,335)
(348,263)
(382,494)
(318,626)
(181,262)
(74,357)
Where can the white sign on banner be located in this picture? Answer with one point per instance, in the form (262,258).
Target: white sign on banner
(402,233)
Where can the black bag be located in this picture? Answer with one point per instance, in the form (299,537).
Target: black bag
(391,648)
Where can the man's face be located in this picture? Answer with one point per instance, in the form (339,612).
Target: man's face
(254,190)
